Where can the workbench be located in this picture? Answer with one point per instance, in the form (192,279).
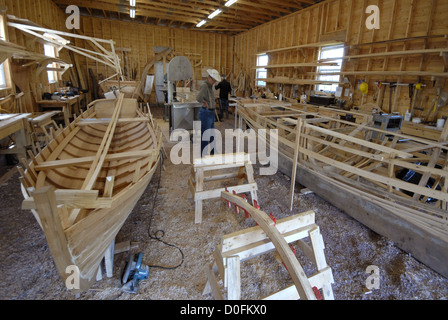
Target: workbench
(40,125)
(15,125)
(68,106)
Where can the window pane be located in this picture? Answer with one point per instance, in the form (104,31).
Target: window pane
(49,50)
(330,52)
(51,76)
(262,60)
(2,76)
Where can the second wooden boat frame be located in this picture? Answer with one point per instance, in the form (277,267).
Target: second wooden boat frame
(356,166)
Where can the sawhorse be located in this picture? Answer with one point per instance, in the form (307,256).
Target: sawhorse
(240,161)
(251,242)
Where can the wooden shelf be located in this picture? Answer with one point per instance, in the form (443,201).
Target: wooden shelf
(388,54)
(294,65)
(303,46)
(296,81)
(385,73)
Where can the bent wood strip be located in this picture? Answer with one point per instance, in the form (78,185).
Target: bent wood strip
(301,282)
(88,122)
(47,165)
(54,155)
(104,147)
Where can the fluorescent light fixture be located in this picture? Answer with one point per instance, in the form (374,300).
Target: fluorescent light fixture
(132,13)
(230,2)
(200,24)
(132,3)
(214,13)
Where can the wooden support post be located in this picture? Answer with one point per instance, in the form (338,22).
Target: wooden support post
(294,163)
(317,243)
(233,278)
(212,284)
(109,259)
(46,207)
(199,180)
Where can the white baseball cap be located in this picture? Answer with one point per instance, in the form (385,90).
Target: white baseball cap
(214,74)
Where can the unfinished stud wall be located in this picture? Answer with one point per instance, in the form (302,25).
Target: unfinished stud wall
(134,43)
(404,25)
(46,14)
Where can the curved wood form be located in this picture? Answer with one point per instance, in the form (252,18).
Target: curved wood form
(293,266)
(83,185)
(358,168)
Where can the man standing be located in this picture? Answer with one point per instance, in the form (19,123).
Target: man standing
(224,91)
(206,96)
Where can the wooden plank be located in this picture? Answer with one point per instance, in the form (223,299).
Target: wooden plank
(83,199)
(360,142)
(294,163)
(104,147)
(46,207)
(215,193)
(48,165)
(290,293)
(234,159)
(311,45)
(213,284)
(243,238)
(377,177)
(233,278)
(91,122)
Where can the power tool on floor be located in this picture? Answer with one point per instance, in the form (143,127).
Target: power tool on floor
(134,273)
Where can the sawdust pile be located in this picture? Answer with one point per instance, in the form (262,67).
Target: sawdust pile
(28,271)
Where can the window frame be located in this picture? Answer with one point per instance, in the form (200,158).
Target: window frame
(330,88)
(260,83)
(3,82)
(5,76)
(53,76)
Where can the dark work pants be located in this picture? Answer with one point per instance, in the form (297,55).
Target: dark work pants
(207,118)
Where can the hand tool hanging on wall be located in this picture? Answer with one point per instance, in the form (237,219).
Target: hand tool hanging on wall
(411,94)
(417,94)
(377,91)
(392,87)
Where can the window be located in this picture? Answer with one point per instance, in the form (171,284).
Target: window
(50,51)
(262,73)
(2,77)
(330,54)
(2,65)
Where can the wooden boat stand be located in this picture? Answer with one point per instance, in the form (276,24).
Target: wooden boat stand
(268,235)
(240,161)
(108,260)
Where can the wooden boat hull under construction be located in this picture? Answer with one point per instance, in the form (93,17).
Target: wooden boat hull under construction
(341,162)
(84,184)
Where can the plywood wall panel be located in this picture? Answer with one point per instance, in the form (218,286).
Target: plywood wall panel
(45,13)
(201,48)
(404,25)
